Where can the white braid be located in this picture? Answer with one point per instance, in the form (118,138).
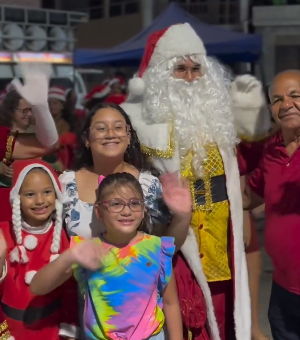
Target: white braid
(55,246)
(16,219)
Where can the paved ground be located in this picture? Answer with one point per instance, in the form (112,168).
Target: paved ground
(265,286)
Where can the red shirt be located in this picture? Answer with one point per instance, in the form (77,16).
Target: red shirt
(277,180)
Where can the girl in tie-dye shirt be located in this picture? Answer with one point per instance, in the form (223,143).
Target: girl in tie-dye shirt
(125,275)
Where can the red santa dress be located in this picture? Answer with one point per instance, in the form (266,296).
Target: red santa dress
(52,316)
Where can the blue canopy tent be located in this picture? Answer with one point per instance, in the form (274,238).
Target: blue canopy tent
(229,46)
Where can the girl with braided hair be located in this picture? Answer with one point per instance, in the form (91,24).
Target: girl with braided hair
(34,238)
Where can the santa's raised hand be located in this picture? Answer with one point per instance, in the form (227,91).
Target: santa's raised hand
(176,194)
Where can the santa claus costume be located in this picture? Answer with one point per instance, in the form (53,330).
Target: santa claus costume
(53,316)
(191,128)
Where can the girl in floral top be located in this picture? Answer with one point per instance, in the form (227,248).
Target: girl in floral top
(124,274)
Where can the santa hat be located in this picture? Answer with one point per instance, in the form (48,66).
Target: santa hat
(117,79)
(115,99)
(21,169)
(56,92)
(174,41)
(98,92)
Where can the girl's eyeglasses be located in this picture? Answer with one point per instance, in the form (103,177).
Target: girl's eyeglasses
(102,130)
(117,206)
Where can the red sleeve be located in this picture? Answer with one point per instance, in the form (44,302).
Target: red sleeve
(256,180)
(4,133)
(69,312)
(249,154)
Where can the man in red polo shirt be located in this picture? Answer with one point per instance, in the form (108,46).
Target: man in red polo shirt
(277,181)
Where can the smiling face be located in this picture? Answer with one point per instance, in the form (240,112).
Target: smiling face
(37,196)
(285,100)
(121,210)
(56,106)
(22,116)
(108,135)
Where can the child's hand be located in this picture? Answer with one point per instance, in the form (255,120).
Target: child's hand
(176,194)
(89,254)
(3,245)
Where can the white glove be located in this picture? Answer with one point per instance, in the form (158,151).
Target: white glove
(35,92)
(246,90)
(36,83)
(251,115)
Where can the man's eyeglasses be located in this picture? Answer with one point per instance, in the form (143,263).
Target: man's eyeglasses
(25,111)
(117,206)
(182,70)
(102,130)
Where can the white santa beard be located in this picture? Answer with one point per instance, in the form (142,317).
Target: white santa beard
(200,113)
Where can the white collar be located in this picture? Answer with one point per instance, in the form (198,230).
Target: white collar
(43,229)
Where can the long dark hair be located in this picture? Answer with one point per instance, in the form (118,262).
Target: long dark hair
(8,107)
(133,155)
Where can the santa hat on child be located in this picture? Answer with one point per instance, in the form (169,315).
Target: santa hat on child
(21,169)
(174,41)
(57,92)
(98,92)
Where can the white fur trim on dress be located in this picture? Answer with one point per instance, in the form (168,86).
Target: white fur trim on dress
(179,40)
(14,255)
(54,257)
(68,331)
(249,107)
(30,242)
(11,338)
(29,276)
(242,310)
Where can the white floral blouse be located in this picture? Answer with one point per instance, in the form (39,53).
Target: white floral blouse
(80,218)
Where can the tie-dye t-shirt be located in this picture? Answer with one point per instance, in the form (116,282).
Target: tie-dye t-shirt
(123,299)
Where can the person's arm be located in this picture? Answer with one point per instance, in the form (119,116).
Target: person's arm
(86,254)
(35,92)
(171,310)
(53,275)
(253,187)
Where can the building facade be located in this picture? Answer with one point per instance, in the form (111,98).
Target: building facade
(115,21)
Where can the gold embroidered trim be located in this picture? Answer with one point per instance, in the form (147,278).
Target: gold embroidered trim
(168,153)
(7,160)
(5,336)
(257,138)
(3,326)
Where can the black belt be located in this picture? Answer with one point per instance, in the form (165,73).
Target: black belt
(217,187)
(31,314)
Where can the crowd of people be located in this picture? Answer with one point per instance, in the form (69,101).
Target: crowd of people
(142,228)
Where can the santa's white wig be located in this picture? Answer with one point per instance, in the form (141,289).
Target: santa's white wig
(199,110)
(30,242)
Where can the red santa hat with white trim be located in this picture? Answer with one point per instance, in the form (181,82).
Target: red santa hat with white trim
(175,41)
(98,92)
(57,92)
(21,169)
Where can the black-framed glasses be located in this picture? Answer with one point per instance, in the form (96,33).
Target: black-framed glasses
(25,111)
(117,206)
